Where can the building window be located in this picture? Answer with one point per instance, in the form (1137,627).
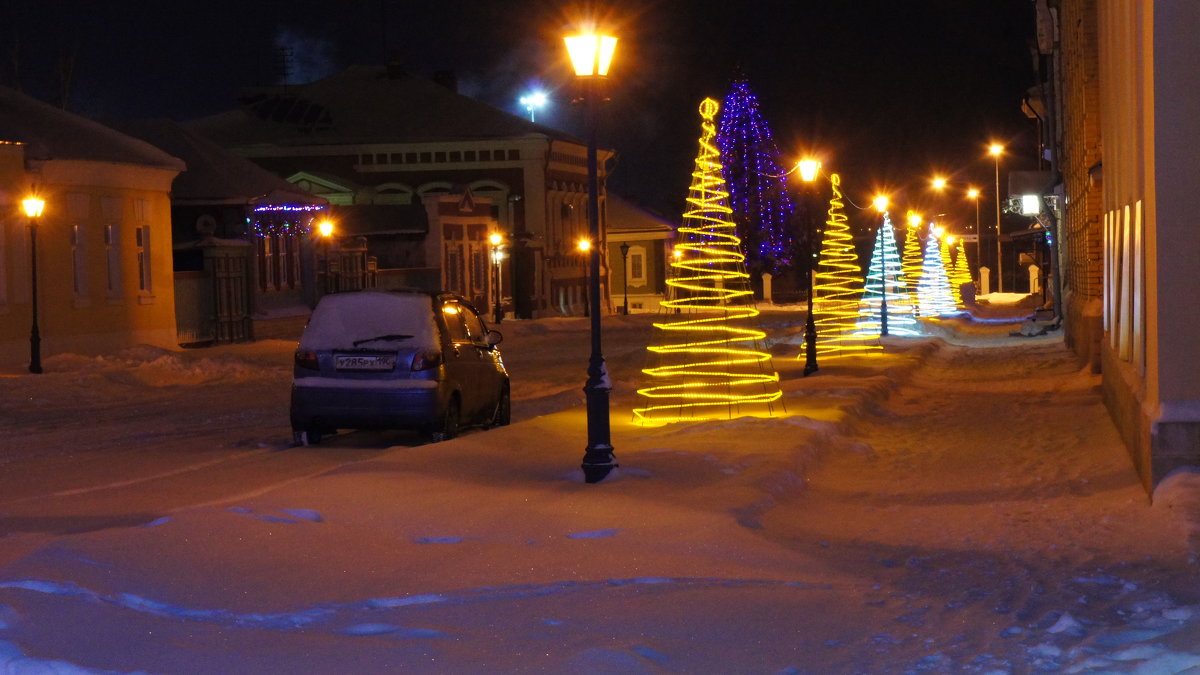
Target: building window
(112,257)
(456,156)
(485,155)
(637,266)
(439,157)
(514,154)
(143,259)
(470,155)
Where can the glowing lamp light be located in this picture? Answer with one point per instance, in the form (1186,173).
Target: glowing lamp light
(325,227)
(677,253)
(995,149)
(33,206)
(973,193)
(1031,205)
(939,183)
(808,169)
(950,239)
(496,238)
(939,231)
(880,203)
(914,219)
(585,245)
(533,102)
(591,54)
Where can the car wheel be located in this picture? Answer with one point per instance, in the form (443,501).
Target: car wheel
(503,412)
(449,427)
(306,436)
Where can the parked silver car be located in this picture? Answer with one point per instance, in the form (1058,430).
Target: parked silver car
(397,360)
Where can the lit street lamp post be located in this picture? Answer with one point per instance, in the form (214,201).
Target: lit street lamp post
(497,240)
(973,195)
(995,150)
(591,54)
(625,276)
(809,170)
(534,102)
(33,210)
(325,229)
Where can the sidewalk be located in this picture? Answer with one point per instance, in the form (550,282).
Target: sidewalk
(943,508)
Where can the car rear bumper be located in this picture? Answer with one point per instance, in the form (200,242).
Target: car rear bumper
(329,408)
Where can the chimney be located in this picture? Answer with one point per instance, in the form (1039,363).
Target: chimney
(447,79)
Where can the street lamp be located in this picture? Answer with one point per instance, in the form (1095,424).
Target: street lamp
(625,275)
(325,229)
(533,102)
(33,210)
(591,55)
(973,195)
(995,150)
(881,205)
(809,170)
(497,241)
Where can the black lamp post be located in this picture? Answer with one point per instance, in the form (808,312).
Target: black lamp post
(809,170)
(995,150)
(325,229)
(33,210)
(591,55)
(497,240)
(625,276)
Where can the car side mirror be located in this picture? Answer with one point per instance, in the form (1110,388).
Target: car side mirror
(494,338)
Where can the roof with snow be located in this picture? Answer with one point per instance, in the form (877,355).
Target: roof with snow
(215,175)
(50,133)
(626,218)
(364,104)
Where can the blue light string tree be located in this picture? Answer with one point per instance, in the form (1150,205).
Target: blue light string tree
(758,197)
(886,306)
(933,291)
(709,354)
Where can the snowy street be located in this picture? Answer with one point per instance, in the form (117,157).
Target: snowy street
(958,504)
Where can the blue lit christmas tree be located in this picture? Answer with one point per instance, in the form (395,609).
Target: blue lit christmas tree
(884,274)
(933,291)
(757,186)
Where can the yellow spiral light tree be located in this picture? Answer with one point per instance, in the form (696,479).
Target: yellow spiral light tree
(961,274)
(711,361)
(947,241)
(911,259)
(838,287)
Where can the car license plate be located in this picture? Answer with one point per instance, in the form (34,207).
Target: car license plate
(357,362)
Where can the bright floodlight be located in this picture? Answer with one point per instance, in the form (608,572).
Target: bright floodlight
(973,193)
(1031,205)
(939,183)
(585,244)
(325,227)
(591,54)
(914,220)
(496,238)
(534,102)
(881,203)
(33,206)
(995,149)
(808,169)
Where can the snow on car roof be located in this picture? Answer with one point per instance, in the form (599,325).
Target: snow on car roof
(342,318)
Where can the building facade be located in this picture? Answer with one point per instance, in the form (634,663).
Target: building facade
(103,241)
(380,138)
(1127,90)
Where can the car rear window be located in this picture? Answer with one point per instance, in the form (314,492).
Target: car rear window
(341,319)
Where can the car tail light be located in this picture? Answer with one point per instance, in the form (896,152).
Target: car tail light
(306,359)
(427,360)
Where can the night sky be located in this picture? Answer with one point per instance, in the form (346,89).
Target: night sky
(886,91)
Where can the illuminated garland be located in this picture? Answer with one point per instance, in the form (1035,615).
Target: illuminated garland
(837,287)
(758,196)
(910,264)
(884,272)
(709,366)
(961,274)
(283,220)
(948,268)
(933,291)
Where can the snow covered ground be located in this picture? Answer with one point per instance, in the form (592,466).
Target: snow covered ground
(958,504)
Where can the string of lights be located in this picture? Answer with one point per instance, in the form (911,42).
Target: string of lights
(285,220)
(758,196)
(838,286)
(933,291)
(884,274)
(711,363)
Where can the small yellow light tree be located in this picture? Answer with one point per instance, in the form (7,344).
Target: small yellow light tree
(838,287)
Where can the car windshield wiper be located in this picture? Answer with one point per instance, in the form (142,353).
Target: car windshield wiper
(389,336)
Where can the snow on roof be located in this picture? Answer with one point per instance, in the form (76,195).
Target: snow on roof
(626,217)
(214,174)
(50,133)
(364,104)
